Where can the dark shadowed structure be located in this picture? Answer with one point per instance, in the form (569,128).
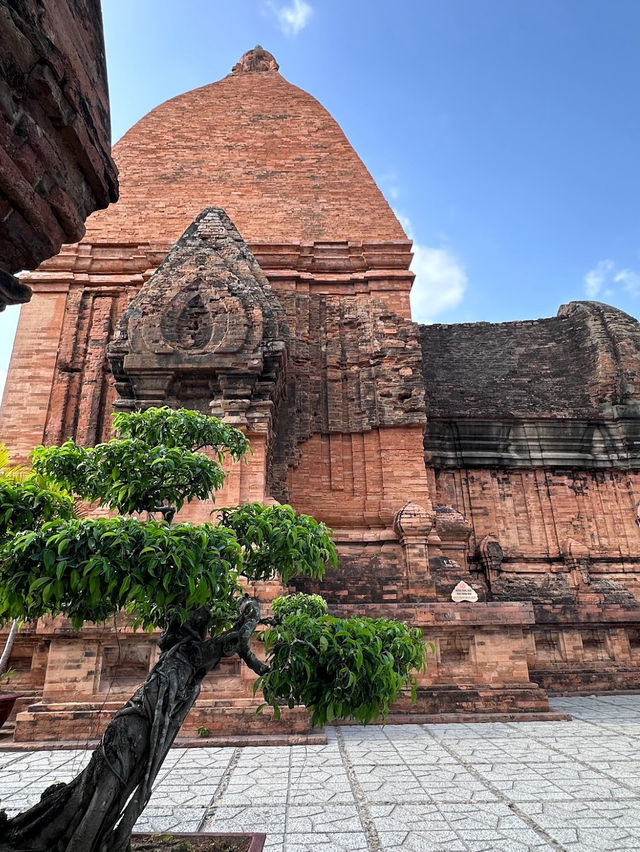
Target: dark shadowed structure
(55,149)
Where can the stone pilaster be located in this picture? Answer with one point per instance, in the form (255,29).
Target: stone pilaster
(412,525)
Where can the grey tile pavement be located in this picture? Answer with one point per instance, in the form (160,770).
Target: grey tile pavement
(571,786)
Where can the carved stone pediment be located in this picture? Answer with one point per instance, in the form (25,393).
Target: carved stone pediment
(206,330)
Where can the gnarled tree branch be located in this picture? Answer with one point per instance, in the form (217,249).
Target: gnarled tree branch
(96,811)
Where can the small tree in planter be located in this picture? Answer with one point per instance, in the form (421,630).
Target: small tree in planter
(185,579)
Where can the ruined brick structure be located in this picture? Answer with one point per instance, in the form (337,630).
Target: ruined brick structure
(55,146)
(252,268)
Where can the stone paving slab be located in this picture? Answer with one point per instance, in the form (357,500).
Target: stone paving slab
(486,787)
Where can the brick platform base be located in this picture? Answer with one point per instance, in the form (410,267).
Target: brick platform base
(44,722)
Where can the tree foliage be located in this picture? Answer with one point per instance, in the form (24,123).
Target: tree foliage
(89,570)
(186,579)
(184,429)
(28,499)
(27,505)
(131,475)
(153,461)
(314,606)
(277,540)
(338,668)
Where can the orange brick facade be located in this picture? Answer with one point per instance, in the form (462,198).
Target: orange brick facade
(504,456)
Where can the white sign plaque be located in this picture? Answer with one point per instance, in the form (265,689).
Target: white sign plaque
(464,592)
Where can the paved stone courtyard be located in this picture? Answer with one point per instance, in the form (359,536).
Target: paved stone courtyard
(518,786)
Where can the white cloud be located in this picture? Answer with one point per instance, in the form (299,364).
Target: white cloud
(600,280)
(292,18)
(440,281)
(390,184)
(630,280)
(596,277)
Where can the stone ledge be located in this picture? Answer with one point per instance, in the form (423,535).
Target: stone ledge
(443,614)
(45,722)
(584,614)
(239,741)
(459,718)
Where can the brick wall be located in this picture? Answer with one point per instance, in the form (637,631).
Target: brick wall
(55,163)
(259,147)
(562,391)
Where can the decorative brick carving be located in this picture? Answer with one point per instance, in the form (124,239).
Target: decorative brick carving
(452,530)
(577,558)
(413,522)
(490,555)
(257,59)
(412,525)
(354,367)
(206,331)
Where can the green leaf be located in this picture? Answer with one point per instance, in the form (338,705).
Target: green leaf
(339,668)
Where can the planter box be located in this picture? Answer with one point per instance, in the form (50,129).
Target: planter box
(198,838)
(7,700)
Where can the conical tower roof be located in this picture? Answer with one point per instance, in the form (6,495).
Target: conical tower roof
(255,145)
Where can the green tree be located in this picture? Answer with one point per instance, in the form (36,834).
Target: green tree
(27,500)
(185,579)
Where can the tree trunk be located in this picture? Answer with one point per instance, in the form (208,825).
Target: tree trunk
(6,653)
(97,811)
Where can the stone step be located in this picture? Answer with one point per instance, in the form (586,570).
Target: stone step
(47,722)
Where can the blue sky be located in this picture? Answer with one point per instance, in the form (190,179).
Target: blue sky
(503,132)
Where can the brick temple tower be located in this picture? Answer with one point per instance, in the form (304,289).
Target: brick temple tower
(253,268)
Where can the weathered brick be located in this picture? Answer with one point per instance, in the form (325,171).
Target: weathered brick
(55,160)
(359,399)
